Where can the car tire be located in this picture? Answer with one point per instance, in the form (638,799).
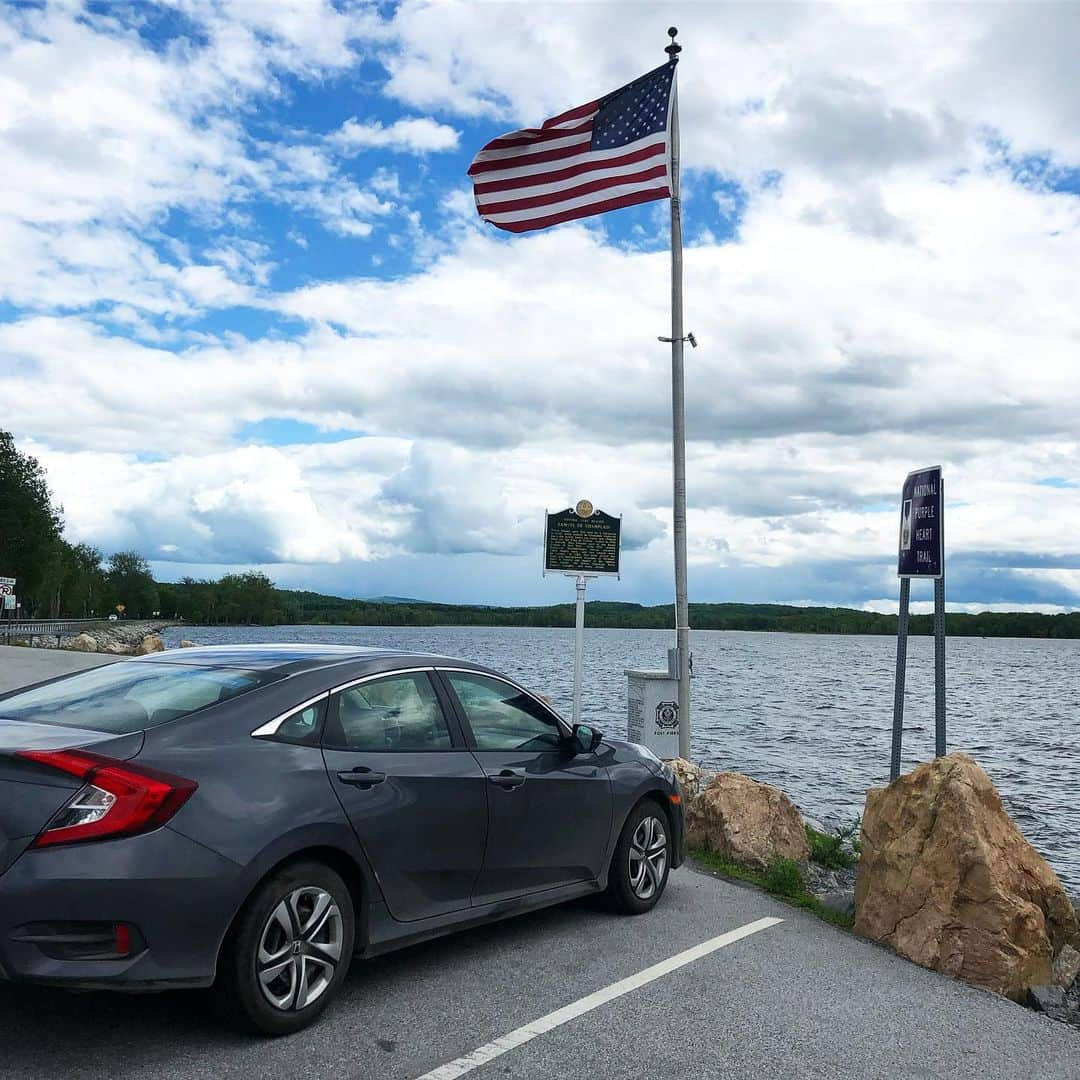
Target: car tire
(288,952)
(641,862)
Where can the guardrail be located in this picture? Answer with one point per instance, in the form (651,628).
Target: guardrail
(20,628)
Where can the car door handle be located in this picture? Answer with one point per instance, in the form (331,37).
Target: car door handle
(361,777)
(507,779)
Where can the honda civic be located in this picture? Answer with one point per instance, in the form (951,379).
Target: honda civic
(250,818)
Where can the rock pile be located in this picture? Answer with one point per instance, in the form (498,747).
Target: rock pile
(745,822)
(83,643)
(754,824)
(118,639)
(942,874)
(947,880)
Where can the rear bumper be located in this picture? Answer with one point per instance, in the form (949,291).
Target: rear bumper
(179,895)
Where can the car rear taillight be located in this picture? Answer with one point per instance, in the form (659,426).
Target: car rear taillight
(116,799)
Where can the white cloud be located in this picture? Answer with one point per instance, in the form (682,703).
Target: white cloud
(252,505)
(832,360)
(103,137)
(417,135)
(893,296)
(838,87)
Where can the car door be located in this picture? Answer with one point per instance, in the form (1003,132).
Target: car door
(549,808)
(414,794)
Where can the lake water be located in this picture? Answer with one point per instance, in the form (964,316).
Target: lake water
(811,714)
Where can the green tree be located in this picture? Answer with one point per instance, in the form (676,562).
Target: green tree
(84,585)
(131,584)
(29,527)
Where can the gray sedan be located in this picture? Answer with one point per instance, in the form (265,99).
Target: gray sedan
(250,818)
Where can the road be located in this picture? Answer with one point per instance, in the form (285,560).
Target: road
(795,999)
(20,666)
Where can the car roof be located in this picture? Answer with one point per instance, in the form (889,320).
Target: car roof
(284,657)
(289,659)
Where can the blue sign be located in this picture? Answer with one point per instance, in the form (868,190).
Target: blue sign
(922,542)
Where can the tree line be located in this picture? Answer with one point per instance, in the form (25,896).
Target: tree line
(55,578)
(308,607)
(58,579)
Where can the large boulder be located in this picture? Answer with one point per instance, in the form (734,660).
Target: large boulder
(150,643)
(746,822)
(947,880)
(83,643)
(185,644)
(117,648)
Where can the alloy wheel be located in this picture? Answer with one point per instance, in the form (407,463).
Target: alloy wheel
(300,949)
(648,858)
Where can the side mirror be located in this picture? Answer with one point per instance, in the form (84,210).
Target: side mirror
(585,739)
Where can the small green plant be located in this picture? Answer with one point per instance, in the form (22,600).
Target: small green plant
(783,879)
(852,834)
(827,849)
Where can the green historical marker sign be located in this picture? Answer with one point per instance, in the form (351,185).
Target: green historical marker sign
(581,540)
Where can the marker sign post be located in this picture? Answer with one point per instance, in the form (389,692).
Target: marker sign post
(581,542)
(7,593)
(921,555)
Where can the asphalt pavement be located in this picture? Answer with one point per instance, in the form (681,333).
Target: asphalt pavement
(20,666)
(794,999)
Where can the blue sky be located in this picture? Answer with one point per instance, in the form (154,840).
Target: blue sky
(248,316)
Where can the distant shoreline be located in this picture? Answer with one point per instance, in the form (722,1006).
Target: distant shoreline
(653,629)
(313,609)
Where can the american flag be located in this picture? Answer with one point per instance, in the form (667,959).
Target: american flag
(601,156)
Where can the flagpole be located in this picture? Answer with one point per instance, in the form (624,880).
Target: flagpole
(678,426)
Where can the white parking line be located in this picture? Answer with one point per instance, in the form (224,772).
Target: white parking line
(492,1050)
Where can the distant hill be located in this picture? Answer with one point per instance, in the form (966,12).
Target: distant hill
(195,603)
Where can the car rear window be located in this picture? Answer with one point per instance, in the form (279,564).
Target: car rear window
(126,697)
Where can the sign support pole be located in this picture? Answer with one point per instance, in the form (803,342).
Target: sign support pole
(678,415)
(901,672)
(939,643)
(921,554)
(939,667)
(579,645)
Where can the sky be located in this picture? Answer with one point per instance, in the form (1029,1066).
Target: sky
(250,318)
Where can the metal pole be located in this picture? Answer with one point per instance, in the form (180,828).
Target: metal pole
(579,642)
(939,665)
(678,428)
(901,671)
(939,642)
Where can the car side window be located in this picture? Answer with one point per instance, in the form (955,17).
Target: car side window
(397,713)
(302,727)
(503,717)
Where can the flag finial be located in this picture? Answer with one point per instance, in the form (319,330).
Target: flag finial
(674,48)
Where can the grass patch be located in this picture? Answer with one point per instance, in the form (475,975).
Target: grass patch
(782,879)
(827,849)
